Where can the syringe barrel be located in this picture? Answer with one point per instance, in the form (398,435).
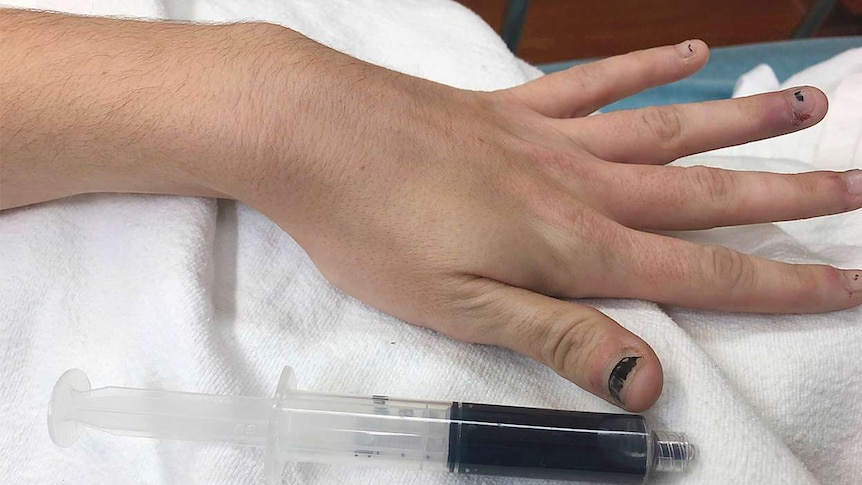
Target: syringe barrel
(363,431)
(550,444)
(472,438)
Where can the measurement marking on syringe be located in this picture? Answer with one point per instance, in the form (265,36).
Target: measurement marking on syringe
(478,423)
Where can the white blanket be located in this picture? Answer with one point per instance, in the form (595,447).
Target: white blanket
(209,296)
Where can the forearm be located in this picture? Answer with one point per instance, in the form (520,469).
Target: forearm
(104,105)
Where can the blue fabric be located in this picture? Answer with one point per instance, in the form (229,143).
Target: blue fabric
(717,79)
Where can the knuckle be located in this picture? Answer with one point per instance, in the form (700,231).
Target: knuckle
(478,301)
(753,109)
(555,162)
(645,63)
(711,184)
(802,185)
(590,76)
(568,340)
(731,269)
(800,279)
(663,122)
(560,164)
(834,183)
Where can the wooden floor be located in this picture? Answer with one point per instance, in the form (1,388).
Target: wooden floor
(557,30)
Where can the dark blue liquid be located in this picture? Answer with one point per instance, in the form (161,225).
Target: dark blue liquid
(550,444)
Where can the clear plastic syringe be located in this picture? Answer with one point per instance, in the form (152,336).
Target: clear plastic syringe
(336,429)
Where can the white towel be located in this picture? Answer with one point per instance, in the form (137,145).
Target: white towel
(197,295)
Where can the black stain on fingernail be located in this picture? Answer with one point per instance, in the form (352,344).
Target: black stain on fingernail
(799,96)
(618,376)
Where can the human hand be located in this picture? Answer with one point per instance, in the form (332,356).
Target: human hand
(471,213)
(465,212)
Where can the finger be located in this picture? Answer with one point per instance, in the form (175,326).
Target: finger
(581,90)
(685,198)
(661,134)
(667,270)
(578,342)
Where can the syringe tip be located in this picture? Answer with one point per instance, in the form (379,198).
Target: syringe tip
(673,452)
(63,431)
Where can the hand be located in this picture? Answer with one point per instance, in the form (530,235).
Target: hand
(472,213)
(465,212)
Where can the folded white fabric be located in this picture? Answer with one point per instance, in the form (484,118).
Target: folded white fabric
(198,295)
(152,9)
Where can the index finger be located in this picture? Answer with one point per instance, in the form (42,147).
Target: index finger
(581,90)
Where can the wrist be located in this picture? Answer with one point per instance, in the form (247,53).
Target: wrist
(323,125)
(104,105)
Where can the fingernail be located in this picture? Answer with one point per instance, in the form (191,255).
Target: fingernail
(854,279)
(803,104)
(617,379)
(686,49)
(854,181)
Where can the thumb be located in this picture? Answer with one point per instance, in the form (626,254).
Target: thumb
(579,342)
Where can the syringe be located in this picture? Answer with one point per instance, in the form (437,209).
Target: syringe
(454,437)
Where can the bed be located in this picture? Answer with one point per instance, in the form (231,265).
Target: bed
(207,295)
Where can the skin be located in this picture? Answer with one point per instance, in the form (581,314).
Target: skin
(479,215)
